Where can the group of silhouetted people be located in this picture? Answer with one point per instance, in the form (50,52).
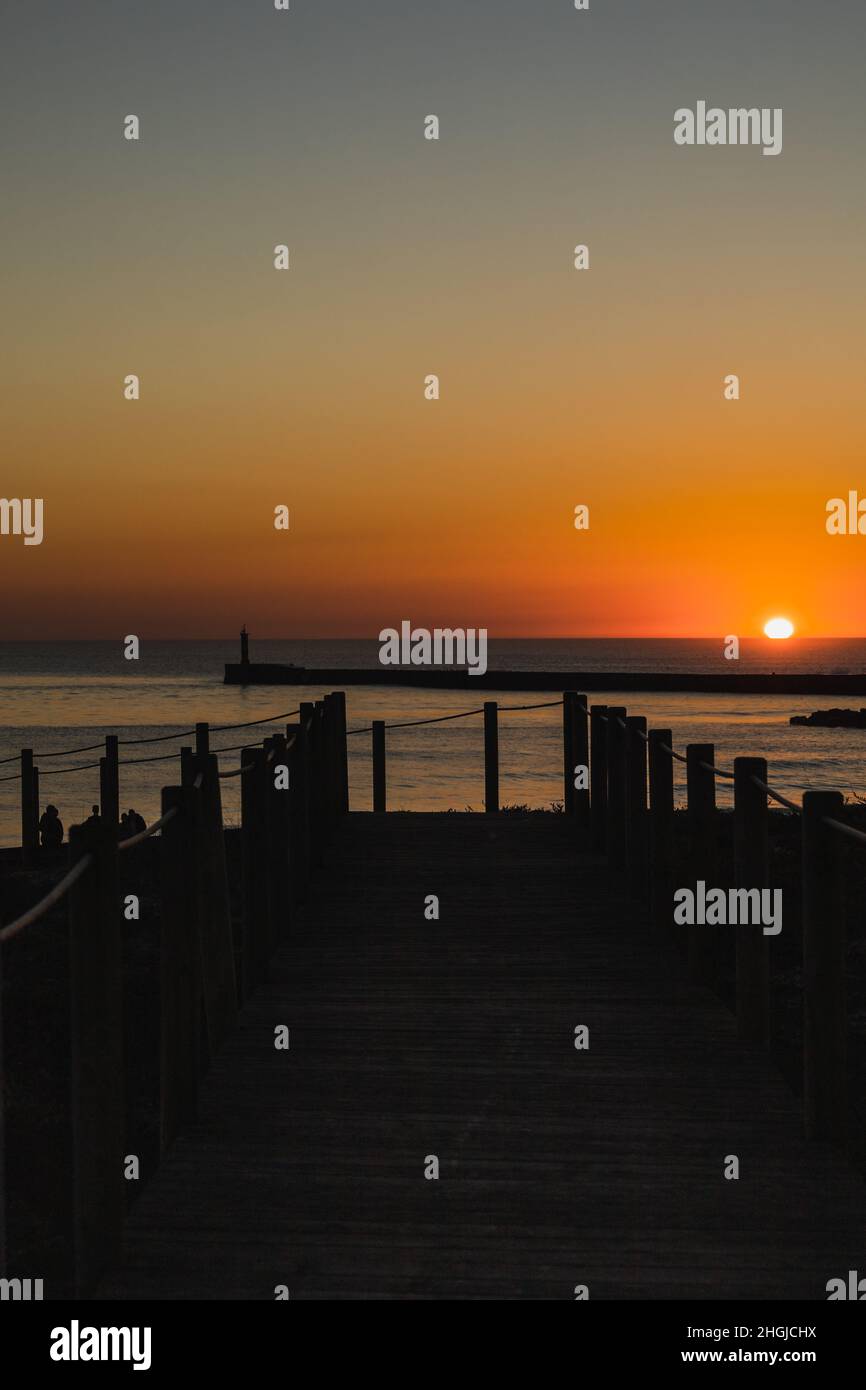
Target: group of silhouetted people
(131,823)
(51,826)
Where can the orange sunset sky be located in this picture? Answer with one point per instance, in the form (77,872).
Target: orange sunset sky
(410,257)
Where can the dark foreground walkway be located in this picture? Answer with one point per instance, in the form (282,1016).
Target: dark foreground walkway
(455,1038)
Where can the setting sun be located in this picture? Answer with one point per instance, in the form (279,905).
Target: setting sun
(779,627)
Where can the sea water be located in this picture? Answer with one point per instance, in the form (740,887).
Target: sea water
(59,695)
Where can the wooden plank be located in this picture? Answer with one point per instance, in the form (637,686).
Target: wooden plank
(455,1037)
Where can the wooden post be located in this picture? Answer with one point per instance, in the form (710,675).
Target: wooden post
(702,939)
(379,780)
(97,1059)
(569,752)
(339,700)
(254,869)
(491,757)
(307,715)
(180,967)
(296,740)
(306,792)
(198,889)
(202,740)
(320,788)
(751,870)
(598,773)
(825,1086)
(661,790)
(29,808)
(279,840)
(615,831)
(109,783)
(187,775)
(581,759)
(218,958)
(333,761)
(636,790)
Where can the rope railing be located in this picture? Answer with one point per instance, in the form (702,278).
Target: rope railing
(210,921)
(247,767)
(548,704)
(148,830)
(716,771)
(726,773)
(412,723)
(33,914)
(251,723)
(156,758)
(461,714)
(842,829)
(132,840)
(772,792)
(154,738)
(776,795)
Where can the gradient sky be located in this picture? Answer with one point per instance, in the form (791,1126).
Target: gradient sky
(411,257)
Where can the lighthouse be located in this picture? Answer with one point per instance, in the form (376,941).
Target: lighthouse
(245,646)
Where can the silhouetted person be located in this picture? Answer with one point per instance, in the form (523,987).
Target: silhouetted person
(93,818)
(135,822)
(51,828)
(126,829)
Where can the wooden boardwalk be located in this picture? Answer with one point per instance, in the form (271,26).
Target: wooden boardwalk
(455,1038)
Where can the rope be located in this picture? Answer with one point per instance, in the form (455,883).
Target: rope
(247,767)
(33,914)
(843,829)
(717,771)
(221,728)
(666,748)
(440,719)
(148,830)
(776,796)
(59,771)
(549,704)
(154,738)
(130,762)
(157,758)
(64,753)
(158,738)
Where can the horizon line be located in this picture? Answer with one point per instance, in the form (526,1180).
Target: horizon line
(573,637)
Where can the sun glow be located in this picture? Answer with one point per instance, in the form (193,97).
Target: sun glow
(779,627)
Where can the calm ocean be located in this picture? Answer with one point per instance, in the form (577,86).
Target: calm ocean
(59,695)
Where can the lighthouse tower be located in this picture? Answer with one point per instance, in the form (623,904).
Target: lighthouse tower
(245,646)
